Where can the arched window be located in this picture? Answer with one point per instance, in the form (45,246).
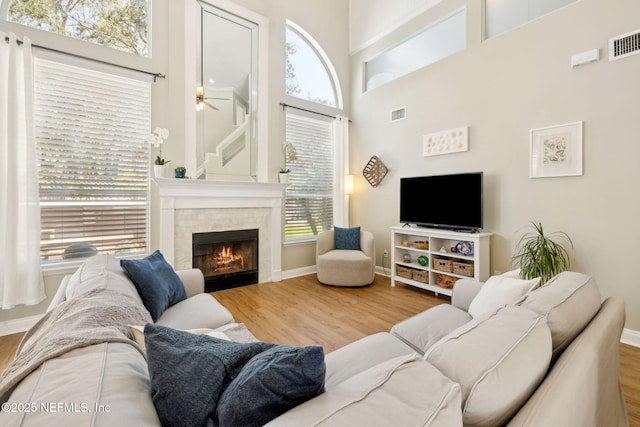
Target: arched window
(121,25)
(309,74)
(312,203)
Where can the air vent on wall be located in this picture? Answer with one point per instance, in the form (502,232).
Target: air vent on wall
(624,45)
(399,114)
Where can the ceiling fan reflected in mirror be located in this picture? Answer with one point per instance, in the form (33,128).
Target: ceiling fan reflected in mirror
(201,100)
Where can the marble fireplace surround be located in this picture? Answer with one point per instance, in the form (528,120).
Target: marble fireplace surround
(198,206)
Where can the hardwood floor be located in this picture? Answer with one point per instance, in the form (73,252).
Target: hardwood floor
(301,311)
(630,380)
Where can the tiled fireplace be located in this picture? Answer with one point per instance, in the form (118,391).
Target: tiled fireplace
(189,207)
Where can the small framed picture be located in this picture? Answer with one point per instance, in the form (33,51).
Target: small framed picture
(556,151)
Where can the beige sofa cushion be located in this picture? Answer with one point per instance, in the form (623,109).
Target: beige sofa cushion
(569,301)
(103,385)
(405,391)
(498,362)
(425,329)
(361,355)
(198,311)
(583,386)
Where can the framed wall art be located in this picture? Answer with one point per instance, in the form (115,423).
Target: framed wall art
(556,151)
(446,142)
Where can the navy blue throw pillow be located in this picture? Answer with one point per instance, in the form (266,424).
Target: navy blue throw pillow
(198,380)
(189,372)
(157,283)
(270,384)
(347,238)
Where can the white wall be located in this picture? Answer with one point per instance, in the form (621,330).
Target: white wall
(501,88)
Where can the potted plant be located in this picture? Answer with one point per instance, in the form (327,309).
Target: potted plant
(180,171)
(284,175)
(538,255)
(157,138)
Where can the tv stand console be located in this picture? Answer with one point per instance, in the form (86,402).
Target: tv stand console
(450,255)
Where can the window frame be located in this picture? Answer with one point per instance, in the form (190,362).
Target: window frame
(324,60)
(160,18)
(515,24)
(429,32)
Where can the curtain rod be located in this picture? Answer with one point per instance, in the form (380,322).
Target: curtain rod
(156,76)
(283,105)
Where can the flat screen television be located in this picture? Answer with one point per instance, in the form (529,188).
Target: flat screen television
(453,202)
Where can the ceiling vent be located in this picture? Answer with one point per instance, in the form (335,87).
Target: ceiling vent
(624,45)
(399,114)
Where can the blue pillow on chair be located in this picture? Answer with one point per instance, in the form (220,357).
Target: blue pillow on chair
(157,283)
(347,238)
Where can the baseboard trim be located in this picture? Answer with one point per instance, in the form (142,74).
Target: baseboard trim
(303,271)
(631,337)
(297,272)
(383,271)
(14,326)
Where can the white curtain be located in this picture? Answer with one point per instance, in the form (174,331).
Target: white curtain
(341,200)
(21,279)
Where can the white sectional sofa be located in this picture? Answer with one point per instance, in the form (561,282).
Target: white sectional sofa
(551,359)
(548,360)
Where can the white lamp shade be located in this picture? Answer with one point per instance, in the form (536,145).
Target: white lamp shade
(348,184)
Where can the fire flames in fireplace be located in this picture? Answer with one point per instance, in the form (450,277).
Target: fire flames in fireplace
(226,261)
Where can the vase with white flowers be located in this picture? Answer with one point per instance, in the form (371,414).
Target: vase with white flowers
(290,154)
(157,138)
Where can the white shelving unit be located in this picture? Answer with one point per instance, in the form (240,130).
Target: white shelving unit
(440,257)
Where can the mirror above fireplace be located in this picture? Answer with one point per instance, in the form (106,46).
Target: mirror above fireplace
(230,93)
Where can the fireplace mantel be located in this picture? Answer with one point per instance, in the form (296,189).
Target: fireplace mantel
(225,199)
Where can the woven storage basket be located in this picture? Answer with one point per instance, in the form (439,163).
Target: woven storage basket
(463,269)
(421,245)
(405,272)
(442,264)
(421,276)
(445,281)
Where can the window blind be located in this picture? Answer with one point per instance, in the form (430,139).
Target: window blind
(93,160)
(309,195)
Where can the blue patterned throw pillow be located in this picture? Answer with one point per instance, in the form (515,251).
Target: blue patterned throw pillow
(347,238)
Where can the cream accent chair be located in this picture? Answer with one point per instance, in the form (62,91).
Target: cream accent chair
(344,267)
